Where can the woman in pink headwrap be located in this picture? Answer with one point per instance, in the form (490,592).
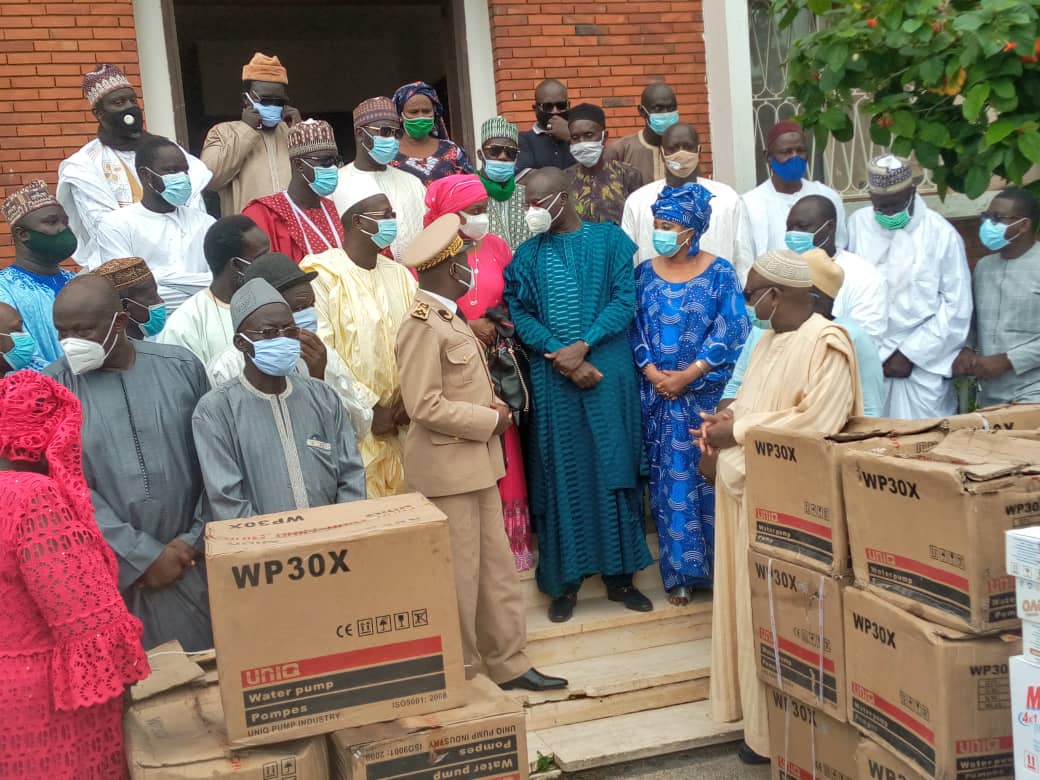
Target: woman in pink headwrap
(488,256)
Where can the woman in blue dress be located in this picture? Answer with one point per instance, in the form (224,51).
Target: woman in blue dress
(690,325)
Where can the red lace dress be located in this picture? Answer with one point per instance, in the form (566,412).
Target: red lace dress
(68,646)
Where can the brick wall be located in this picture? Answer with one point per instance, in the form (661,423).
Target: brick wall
(605,52)
(45,48)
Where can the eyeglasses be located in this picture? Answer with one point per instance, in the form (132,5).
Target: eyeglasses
(269,101)
(559,105)
(384,132)
(498,150)
(290,332)
(324,162)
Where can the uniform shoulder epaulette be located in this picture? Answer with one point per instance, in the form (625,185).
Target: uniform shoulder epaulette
(421,310)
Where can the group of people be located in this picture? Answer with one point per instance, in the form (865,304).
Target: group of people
(340,331)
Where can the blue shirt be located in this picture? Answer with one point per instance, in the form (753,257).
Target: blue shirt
(871,374)
(33,296)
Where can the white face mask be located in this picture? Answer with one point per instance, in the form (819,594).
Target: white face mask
(85,355)
(587,153)
(476,225)
(470,280)
(540,219)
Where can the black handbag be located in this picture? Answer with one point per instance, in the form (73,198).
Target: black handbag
(507,364)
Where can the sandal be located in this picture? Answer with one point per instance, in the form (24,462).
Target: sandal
(679,596)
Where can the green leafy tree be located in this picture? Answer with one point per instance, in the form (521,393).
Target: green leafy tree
(956,82)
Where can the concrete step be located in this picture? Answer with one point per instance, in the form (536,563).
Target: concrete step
(632,737)
(620,684)
(603,628)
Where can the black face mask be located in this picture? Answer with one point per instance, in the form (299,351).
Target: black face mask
(116,122)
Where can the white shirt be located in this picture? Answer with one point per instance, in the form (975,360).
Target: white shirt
(405,192)
(863,297)
(170,243)
(767,210)
(202,324)
(728,234)
(450,305)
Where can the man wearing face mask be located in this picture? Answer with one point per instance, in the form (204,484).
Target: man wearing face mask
(17,347)
(102,176)
(571,295)
(139,458)
(145,310)
(803,376)
(302,220)
(728,235)
(161,228)
(499,149)
(547,143)
(42,240)
(377,137)
(863,296)
(202,323)
(600,184)
(659,110)
(250,157)
(271,440)
(922,258)
(1004,351)
(787,155)
(453,455)
(362,297)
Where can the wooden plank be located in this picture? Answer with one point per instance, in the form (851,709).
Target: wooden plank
(535,746)
(680,628)
(580,710)
(636,736)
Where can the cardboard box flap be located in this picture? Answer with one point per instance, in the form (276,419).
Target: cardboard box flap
(180,727)
(860,428)
(171,668)
(338,521)
(991,417)
(984,455)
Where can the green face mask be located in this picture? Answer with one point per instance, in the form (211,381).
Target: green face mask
(896,221)
(419,128)
(51,248)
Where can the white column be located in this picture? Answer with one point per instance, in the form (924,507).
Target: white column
(481,64)
(727,49)
(155,68)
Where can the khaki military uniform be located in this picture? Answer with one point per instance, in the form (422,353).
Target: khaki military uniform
(452,456)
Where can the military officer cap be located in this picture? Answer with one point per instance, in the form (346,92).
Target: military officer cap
(440,241)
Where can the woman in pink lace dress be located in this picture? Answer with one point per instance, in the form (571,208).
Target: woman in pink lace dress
(464,194)
(68,646)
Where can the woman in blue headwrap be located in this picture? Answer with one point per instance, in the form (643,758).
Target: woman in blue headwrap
(426,151)
(690,325)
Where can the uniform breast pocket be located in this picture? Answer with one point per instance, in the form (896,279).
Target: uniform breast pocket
(461,363)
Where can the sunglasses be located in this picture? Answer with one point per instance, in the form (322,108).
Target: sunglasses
(290,332)
(323,162)
(497,150)
(384,132)
(269,101)
(548,108)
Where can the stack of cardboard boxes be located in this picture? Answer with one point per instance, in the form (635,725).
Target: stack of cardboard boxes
(336,621)
(880,606)
(1023,563)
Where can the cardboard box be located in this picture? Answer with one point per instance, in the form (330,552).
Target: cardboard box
(1031,640)
(1023,549)
(1027,599)
(333,617)
(485,738)
(927,533)
(1025,710)
(874,762)
(936,697)
(1006,417)
(796,508)
(805,743)
(799,628)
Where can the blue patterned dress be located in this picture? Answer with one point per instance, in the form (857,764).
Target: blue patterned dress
(678,323)
(33,296)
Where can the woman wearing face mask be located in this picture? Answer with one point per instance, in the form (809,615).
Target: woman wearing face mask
(487,256)
(426,151)
(600,184)
(690,325)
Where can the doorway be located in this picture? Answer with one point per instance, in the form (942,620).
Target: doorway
(337,53)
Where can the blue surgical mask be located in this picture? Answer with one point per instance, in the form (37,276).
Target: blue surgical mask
(757,321)
(325,179)
(800,241)
(156,319)
(386,231)
(22,353)
(661,122)
(176,188)
(666,243)
(993,235)
(792,169)
(275,357)
(270,116)
(500,171)
(383,150)
(306,319)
